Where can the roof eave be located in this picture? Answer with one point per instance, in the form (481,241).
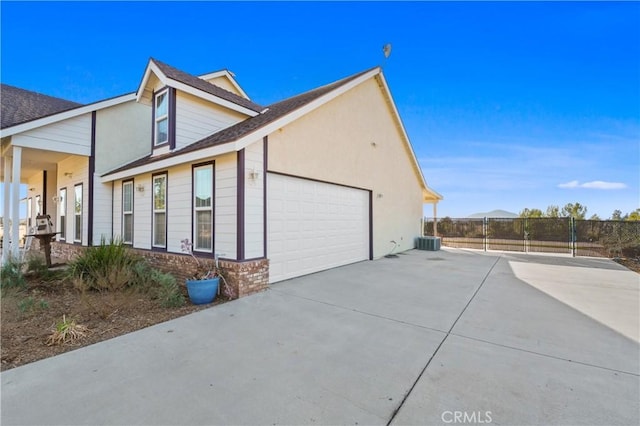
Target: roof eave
(70,113)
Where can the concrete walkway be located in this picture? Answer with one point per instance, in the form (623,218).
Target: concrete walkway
(425,338)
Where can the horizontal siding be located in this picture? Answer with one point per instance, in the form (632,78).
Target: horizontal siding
(71,136)
(196,119)
(254,202)
(117,210)
(178,207)
(142,201)
(226,206)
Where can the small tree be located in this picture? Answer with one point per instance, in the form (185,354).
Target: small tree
(534,213)
(634,216)
(553,211)
(576,211)
(616,215)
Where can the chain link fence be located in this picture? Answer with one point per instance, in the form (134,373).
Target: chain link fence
(606,238)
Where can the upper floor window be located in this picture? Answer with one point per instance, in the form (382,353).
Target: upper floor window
(161,118)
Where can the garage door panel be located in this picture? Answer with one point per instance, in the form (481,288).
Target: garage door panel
(314,226)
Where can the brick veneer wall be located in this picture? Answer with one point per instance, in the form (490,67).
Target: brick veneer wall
(244,278)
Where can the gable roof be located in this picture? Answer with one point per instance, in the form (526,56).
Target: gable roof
(230,77)
(20,105)
(233,133)
(194,82)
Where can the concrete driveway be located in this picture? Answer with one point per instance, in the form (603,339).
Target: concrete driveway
(446,337)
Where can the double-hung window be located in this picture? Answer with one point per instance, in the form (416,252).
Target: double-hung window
(127,212)
(77,214)
(203,208)
(62,208)
(161,117)
(160,211)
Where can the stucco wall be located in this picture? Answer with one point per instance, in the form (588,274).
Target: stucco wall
(254,201)
(123,134)
(354,140)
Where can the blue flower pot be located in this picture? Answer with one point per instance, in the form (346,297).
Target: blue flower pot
(203,291)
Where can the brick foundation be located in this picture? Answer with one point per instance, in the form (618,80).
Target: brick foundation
(244,278)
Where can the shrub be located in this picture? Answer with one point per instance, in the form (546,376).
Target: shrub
(66,331)
(107,267)
(11,275)
(157,284)
(166,290)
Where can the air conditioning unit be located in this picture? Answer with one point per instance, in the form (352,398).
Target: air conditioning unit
(428,243)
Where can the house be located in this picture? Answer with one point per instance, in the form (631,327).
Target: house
(316,181)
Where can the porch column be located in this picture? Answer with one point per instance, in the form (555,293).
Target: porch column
(15,200)
(435,219)
(6,188)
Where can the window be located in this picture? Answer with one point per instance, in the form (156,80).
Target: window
(62,209)
(127,212)
(77,213)
(29,211)
(161,118)
(203,208)
(160,211)
(38,206)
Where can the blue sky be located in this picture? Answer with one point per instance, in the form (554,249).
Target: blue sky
(508,105)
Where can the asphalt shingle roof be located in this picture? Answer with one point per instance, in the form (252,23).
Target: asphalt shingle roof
(20,105)
(238,130)
(200,84)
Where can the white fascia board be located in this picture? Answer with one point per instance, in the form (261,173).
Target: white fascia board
(211,98)
(66,114)
(387,92)
(151,67)
(229,75)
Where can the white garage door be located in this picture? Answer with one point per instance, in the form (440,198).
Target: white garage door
(312,226)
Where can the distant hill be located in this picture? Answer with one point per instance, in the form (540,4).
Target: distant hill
(493,214)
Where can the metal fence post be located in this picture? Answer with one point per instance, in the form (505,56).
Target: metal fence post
(485,230)
(573,236)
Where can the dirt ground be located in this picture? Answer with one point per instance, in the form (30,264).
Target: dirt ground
(30,316)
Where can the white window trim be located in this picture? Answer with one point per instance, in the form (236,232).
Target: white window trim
(154,210)
(160,118)
(200,209)
(127,212)
(62,217)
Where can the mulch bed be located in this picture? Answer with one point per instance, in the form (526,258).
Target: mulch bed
(29,317)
